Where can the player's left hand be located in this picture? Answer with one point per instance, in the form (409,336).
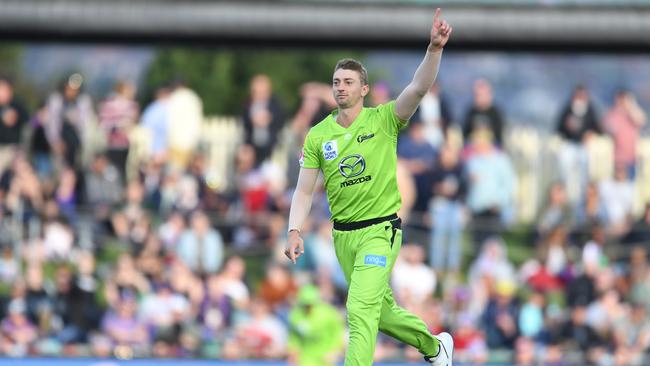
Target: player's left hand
(440,32)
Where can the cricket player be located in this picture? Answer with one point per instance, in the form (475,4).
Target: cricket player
(356,149)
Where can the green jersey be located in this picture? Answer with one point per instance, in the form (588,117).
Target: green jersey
(358,163)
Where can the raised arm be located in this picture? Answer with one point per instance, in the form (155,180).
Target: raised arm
(300,206)
(425,75)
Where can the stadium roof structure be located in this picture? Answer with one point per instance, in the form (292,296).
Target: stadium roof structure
(499,24)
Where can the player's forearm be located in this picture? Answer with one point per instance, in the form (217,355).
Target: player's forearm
(300,206)
(426,73)
(423,80)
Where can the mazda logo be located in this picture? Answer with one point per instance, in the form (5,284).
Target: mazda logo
(352,165)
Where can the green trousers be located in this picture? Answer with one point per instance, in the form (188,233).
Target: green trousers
(367,257)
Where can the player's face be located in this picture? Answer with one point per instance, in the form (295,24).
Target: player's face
(347,88)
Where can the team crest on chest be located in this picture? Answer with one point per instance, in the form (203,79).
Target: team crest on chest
(330,150)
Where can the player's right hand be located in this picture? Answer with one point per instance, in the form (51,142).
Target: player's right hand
(295,246)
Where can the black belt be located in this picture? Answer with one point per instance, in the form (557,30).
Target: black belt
(347,226)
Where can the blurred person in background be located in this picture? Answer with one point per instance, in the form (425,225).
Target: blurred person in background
(13,118)
(416,154)
(632,337)
(201,246)
(409,265)
(578,122)
(103,189)
(618,196)
(556,211)
(355,149)
(379,93)
(21,190)
(316,331)
(640,231)
(277,289)
(623,122)
(185,118)
(125,278)
(447,211)
(123,325)
(70,113)
(234,286)
(117,115)
(577,335)
(155,118)
(75,306)
(131,222)
(484,114)
(499,320)
(469,341)
(436,116)
(164,312)
(492,185)
(20,333)
(261,335)
(263,118)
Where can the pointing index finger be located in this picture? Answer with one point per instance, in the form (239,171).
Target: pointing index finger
(436,16)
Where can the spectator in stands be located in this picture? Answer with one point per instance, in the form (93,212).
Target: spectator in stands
(66,195)
(577,334)
(123,326)
(263,118)
(416,154)
(578,122)
(164,311)
(316,331)
(447,211)
(492,184)
(624,122)
(555,212)
(618,196)
(201,246)
(379,93)
(70,113)
(185,118)
(436,116)
(469,342)
(21,190)
(484,114)
(132,223)
(632,336)
(409,265)
(640,232)
(103,187)
(155,118)
(492,266)
(13,118)
(262,335)
(234,286)
(531,316)
(40,149)
(20,333)
(277,289)
(76,307)
(499,319)
(125,278)
(117,115)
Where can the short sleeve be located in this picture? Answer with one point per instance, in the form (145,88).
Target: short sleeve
(309,157)
(392,122)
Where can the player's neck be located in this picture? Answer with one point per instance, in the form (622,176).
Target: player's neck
(346,116)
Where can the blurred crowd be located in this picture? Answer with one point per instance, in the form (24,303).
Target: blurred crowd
(114,249)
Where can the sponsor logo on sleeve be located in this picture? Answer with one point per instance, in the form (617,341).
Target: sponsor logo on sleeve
(330,150)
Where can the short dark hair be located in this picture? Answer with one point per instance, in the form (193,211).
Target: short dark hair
(351,64)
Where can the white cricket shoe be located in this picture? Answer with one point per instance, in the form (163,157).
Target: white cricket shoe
(446,353)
